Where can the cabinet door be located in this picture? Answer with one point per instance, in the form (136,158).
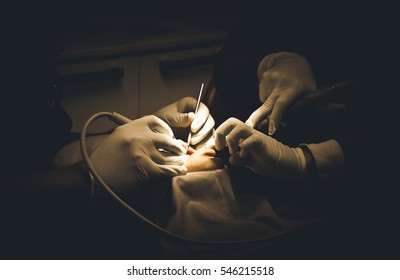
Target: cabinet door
(167,77)
(106,85)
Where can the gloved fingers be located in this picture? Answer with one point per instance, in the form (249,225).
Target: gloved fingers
(236,136)
(158,125)
(208,142)
(171,170)
(269,81)
(186,104)
(279,108)
(265,93)
(167,143)
(236,160)
(185,112)
(150,168)
(223,130)
(203,132)
(263,125)
(180,119)
(166,157)
(252,143)
(178,114)
(202,116)
(260,114)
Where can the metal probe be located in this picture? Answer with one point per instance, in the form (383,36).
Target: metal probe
(195,112)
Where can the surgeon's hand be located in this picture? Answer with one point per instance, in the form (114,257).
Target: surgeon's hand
(180,115)
(283,78)
(259,152)
(131,154)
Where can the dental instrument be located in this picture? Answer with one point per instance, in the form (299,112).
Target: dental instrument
(195,112)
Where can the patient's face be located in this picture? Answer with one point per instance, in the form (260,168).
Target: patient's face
(202,160)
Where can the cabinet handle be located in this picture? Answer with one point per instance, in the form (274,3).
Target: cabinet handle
(95,76)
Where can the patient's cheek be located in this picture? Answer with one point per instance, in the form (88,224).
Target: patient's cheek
(201,162)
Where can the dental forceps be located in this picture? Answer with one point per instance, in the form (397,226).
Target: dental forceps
(195,112)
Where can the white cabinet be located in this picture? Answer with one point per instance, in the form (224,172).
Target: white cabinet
(168,77)
(132,67)
(103,85)
(149,82)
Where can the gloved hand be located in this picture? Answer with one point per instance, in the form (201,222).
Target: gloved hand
(259,152)
(131,154)
(283,78)
(180,115)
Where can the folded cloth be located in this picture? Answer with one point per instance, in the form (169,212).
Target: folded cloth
(206,208)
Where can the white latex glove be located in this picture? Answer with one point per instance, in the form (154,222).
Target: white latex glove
(181,115)
(131,154)
(260,152)
(283,78)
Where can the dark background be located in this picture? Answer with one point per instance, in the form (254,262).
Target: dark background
(31,37)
